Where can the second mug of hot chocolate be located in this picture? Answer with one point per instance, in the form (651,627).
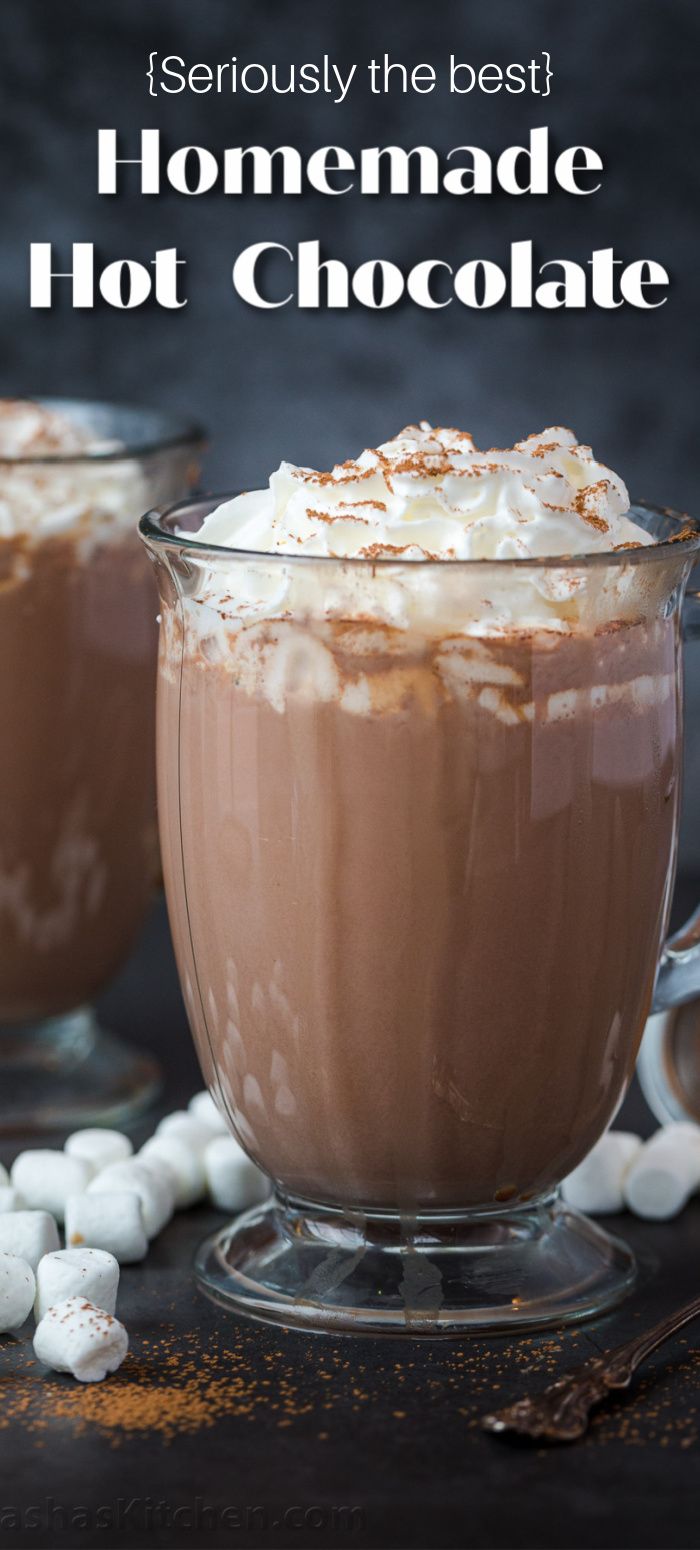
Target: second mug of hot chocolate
(78,841)
(418,790)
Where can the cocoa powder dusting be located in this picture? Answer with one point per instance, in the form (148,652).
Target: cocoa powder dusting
(171,1388)
(582,505)
(176,1386)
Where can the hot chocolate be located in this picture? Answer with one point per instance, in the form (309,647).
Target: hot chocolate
(78,847)
(78,851)
(418,818)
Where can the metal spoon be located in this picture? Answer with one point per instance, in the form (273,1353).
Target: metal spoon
(561,1411)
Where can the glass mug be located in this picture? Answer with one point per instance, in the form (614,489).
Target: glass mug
(418,876)
(78,839)
(669,1063)
(669,1059)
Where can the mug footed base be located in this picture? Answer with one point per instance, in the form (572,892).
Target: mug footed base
(314,1268)
(65,1072)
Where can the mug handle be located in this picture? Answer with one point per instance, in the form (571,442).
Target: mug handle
(678,976)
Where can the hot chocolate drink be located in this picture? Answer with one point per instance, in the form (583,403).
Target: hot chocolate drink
(418,817)
(78,847)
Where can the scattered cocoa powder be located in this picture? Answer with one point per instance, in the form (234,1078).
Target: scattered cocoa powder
(175,1386)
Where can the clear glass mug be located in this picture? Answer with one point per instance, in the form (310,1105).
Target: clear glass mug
(418,874)
(78,838)
(669,1059)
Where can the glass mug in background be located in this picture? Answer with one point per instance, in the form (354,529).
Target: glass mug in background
(78,843)
(418,881)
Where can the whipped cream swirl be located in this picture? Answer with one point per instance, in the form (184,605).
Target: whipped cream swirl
(431,494)
(42,500)
(33,430)
(286,626)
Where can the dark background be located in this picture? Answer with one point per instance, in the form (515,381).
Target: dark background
(314,387)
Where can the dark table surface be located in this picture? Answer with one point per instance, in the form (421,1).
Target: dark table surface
(218,1432)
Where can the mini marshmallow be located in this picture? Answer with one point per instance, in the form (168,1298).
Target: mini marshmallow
(153,1182)
(205,1109)
(234,1181)
(4,1177)
(46,1179)
(28,1234)
(113,1222)
(597,1184)
(17,1287)
(76,1337)
(192,1131)
(186,1165)
(89,1273)
(10,1199)
(99,1148)
(666,1172)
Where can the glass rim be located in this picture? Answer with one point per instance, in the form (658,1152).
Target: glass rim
(180,432)
(685,543)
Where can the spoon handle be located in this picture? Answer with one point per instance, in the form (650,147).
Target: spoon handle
(561,1411)
(622,1363)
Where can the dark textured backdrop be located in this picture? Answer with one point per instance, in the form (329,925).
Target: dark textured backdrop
(313,387)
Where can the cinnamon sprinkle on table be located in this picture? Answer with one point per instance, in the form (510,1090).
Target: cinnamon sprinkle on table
(175,1385)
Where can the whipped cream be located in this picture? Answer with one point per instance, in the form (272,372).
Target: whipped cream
(426,495)
(31,430)
(368,636)
(431,494)
(79,490)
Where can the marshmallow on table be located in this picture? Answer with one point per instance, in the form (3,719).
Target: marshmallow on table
(184,1161)
(597,1184)
(113,1222)
(89,1273)
(76,1337)
(665,1173)
(10,1199)
(153,1182)
(17,1287)
(99,1148)
(234,1181)
(205,1109)
(47,1178)
(185,1127)
(29,1234)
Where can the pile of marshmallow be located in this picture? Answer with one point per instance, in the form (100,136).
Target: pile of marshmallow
(655,1179)
(112,1205)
